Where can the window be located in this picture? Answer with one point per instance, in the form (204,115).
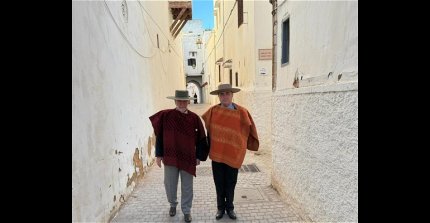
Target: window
(192,62)
(193,53)
(285,41)
(231,77)
(239,12)
(237,79)
(158,43)
(219,73)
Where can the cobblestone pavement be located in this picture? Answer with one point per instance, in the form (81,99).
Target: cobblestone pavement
(255,199)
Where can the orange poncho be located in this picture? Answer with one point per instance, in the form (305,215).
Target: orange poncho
(231,132)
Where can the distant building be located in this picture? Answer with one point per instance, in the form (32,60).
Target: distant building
(194,38)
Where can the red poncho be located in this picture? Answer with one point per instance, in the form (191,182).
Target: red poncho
(180,134)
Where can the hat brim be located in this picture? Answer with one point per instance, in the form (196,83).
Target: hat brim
(182,99)
(234,90)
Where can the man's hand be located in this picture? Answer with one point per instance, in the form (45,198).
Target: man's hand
(158,160)
(197,162)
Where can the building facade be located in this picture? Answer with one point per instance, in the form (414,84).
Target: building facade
(242,30)
(125,61)
(315,109)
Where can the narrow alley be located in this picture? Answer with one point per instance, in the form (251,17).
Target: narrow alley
(294,67)
(255,199)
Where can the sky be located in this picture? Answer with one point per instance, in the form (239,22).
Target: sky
(203,10)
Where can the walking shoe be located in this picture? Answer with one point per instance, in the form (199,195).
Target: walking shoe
(187,217)
(172,211)
(219,214)
(231,214)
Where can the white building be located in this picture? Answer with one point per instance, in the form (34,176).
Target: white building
(126,58)
(193,40)
(315,109)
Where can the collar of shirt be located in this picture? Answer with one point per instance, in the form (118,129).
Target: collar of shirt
(231,106)
(185,112)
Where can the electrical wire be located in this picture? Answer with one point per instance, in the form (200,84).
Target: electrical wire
(231,11)
(161,30)
(123,35)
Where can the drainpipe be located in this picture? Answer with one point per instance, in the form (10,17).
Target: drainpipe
(223,42)
(274,41)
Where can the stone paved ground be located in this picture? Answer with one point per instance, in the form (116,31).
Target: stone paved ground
(255,199)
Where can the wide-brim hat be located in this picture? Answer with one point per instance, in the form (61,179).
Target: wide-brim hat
(181,95)
(225,87)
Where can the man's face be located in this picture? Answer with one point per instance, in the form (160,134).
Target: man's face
(225,97)
(182,104)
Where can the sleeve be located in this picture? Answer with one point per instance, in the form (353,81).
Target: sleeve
(206,118)
(157,124)
(202,147)
(253,143)
(159,151)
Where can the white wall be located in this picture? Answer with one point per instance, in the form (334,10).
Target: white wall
(323,39)
(210,69)
(263,40)
(315,126)
(241,44)
(254,34)
(117,83)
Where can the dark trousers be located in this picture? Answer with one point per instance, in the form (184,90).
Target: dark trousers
(225,178)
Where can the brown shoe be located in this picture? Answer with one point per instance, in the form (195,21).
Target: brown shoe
(172,211)
(188,218)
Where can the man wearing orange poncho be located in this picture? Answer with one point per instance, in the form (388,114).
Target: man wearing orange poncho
(231,131)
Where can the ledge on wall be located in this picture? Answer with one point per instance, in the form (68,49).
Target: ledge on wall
(303,81)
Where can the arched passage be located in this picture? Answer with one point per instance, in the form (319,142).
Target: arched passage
(194,87)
